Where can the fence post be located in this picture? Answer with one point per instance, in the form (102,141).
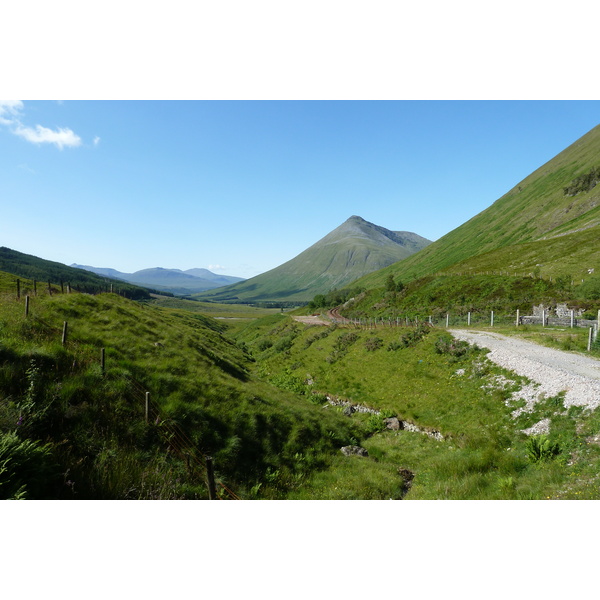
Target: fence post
(64,333)
(590,339)
(447,320)
(18,289)
(517,318)
(572,318)
(544,317)
(469,319)
(492,320)
(210,479)
(27,306)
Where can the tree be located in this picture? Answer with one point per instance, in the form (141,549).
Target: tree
(390,284)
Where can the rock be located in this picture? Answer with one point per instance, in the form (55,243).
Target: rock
(393,423)
(354,451)
(348,410)
(407,475)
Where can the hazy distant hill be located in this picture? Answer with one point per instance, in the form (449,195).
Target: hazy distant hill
(171,280)
(353,249)
(44,271)
(549,223)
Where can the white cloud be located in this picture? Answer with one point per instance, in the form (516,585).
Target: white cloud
(216,268)
(42,135)
(10,115)
(10,109)
(96,141)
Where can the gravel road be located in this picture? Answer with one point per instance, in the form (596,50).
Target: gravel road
(553,371)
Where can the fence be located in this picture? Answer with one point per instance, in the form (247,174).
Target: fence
(471,319)
(178,441)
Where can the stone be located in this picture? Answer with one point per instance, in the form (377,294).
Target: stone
(393,423)
(354,451)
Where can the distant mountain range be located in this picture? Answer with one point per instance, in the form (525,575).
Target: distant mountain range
(169,280)
(45,271)
(350,251)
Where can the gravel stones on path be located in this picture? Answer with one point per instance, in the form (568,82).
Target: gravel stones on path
(554,371)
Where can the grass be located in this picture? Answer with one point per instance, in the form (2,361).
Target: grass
(533,224)
(483,454)
(258,405)
(200,383)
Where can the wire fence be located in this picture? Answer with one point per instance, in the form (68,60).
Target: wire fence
(197,462)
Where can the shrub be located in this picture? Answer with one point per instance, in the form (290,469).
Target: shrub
(264,345)
(373,344)
(446,344)
(540,448)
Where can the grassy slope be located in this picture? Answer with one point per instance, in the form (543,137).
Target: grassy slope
(199,380)
(483,454)
(536,209)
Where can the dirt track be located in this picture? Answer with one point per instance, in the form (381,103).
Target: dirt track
(553,371)
(312,320)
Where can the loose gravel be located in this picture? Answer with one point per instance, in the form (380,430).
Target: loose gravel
(550,371)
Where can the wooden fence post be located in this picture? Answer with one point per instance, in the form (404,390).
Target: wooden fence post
(590,339)
(469,319)
(517,324)
(27,306)
(492,320)
(64,333)
(210,479)
(572,318)
(447,320)
(18,289)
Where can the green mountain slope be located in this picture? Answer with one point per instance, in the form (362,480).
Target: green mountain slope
(351,250)
(70,429)
(44,271)
(548,221)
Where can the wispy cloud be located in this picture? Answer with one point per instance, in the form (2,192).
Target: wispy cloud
(60,137)
(9,111)
(96,141)
(216,268)
(11,114)
(26,168)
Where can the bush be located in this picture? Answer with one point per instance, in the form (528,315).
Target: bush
(373,344)
(264,345)
(540,448)
(446,344)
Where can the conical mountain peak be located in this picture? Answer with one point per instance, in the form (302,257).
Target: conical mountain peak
(353,249)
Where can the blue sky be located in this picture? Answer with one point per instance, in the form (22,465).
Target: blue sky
(240,187)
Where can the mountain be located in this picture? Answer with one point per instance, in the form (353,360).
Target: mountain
(548,224)
(353,249)
(171,280)
(44,271)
